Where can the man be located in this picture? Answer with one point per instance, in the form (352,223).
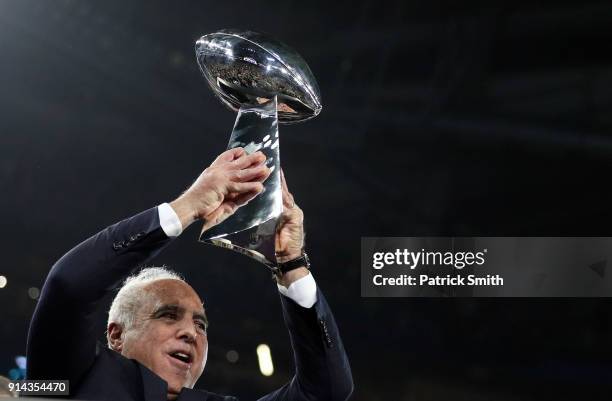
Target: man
(156,332)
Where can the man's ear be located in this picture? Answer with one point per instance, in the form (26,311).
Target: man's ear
(114,336)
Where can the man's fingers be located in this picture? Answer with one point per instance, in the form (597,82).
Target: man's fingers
(249,160)
(241,187)
(288,200)
(243,192)
(244,198)
(218,215)
(257,173)
(229,155)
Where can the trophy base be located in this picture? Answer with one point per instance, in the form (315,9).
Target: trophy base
(257,242)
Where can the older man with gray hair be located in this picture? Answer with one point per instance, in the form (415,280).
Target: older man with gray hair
(157,327)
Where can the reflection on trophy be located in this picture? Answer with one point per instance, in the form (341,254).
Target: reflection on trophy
(266,82)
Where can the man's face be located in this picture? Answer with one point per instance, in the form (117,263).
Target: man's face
(169,336)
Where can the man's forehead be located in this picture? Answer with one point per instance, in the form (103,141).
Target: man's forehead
(174,293)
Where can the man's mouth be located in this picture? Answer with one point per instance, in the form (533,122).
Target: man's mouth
(181,356)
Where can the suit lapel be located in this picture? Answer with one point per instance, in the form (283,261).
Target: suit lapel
(188,394)
(154,387)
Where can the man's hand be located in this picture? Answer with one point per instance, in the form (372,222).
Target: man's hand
(290,236)
(233,179)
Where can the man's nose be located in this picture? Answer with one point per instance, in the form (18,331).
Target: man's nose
(187,331)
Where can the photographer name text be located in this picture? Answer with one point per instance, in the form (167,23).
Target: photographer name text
(431,260)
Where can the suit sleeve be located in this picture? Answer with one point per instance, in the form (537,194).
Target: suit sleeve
(321,364)
(61,344)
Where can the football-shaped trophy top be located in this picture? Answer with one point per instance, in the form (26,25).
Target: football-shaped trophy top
(246,68)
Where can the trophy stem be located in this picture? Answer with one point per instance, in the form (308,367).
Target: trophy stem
(251,229)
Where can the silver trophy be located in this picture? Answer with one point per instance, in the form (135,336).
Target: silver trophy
(267,83)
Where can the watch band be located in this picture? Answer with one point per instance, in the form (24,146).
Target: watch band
(302,261)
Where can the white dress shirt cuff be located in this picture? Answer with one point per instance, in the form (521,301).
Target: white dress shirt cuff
(169,221)
(302,291)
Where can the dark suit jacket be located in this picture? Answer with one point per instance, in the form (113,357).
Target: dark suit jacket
(62,344)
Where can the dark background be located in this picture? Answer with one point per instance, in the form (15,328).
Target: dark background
(456,118)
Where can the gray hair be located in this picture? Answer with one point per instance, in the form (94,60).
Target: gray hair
(129,298)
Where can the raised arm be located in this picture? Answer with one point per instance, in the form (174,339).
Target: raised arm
(61,343)
(322,370)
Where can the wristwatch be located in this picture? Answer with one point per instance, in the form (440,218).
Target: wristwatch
(301,261)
